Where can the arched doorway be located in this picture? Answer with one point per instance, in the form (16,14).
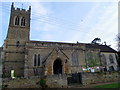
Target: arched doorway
(57,67)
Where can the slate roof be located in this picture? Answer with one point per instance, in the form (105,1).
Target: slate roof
(55,42)
(103,48)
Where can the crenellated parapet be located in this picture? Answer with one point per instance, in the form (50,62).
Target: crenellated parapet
(19,9)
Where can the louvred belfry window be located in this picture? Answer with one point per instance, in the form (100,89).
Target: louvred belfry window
(17,20)
(23,21)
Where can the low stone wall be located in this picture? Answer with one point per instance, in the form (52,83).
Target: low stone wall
(61,81)
(21,82)
(100,77)
(53,81)
(57,81)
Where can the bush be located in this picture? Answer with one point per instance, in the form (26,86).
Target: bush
(42,83)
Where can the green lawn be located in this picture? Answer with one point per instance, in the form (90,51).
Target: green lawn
(113,85)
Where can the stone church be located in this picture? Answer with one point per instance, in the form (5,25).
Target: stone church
(40,58)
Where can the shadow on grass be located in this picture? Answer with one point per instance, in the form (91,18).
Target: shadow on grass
(113,85)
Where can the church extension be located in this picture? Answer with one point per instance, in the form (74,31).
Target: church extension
(40,58)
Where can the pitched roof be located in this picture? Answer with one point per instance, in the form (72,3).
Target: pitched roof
(31,41)
(103,48)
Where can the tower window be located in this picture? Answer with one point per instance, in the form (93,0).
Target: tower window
(17,19)
(23,21)
(17,44)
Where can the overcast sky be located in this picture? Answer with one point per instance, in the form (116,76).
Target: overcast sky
(67,21)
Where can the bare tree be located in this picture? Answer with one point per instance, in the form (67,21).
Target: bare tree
(96,40)
(118,39)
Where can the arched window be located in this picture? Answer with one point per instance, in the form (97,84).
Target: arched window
(23,21)
(104,59)
(111,58)
(75,58)
(17,19)
(38,59)
(35,60)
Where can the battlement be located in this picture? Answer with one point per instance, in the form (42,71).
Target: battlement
(23,10)
(20,9)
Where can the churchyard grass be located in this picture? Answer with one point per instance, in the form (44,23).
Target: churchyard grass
(113,85)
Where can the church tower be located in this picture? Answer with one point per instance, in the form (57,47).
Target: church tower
(14,45)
